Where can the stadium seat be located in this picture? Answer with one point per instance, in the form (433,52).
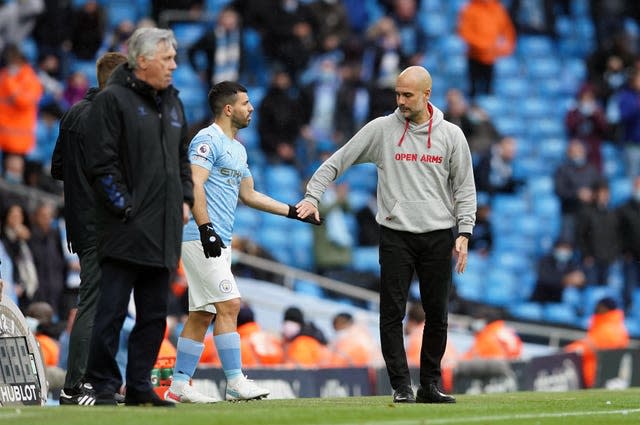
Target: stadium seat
(633,326)
(88,68)
(308,288)
(501,287)
(187,33)
(572,296)
(539,68)
(526,311)
(534,46)
(215,6)
(546,206)
(434,23)
(621,190)
(366,259)
(547,128)
(453,45)
(613,168)
(495,106)
(470,285)
(119,11)
(509,205)
(508,67)
(534,108)
(592,294)
(282,177)
(511,261)
(247,221)
(552,150)
(361,177)
(540,186)
(29,49)
(456,66)
(514,87)
(560,313)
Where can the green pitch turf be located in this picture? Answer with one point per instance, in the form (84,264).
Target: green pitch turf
(535,408)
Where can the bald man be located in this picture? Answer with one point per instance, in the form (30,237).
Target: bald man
(425,192)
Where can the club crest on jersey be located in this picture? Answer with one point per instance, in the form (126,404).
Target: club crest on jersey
(226,286)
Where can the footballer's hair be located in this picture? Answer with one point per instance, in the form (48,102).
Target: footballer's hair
(144,42)
(222,94)
(106,64)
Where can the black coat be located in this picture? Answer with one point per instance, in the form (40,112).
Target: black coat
(68,164)
(138,166)
(629,221)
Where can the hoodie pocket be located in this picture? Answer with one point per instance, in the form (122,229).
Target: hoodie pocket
(423,214)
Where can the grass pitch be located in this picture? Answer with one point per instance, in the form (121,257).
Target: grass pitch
(587,407)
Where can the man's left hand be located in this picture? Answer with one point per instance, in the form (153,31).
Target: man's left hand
(462,243)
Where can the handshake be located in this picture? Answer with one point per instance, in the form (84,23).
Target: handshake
(293,214)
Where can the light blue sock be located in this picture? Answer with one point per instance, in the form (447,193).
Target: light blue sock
(189,352)
(228,346)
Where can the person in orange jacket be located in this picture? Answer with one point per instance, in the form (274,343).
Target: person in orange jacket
(20,92)
(607,331)
(352,345)
(494,340)
(304,344)
(39,317)
(487,29)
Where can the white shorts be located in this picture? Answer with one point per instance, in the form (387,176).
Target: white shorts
(210,279)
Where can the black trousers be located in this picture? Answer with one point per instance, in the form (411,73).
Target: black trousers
(150,287)
(80,336)
(480,78)
(429,256)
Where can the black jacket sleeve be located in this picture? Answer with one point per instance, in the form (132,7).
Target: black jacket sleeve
(104,159)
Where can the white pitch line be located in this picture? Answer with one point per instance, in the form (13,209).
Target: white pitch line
(425,421)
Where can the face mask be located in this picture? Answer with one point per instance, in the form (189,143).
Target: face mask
(290,329)
(579,161)
(587,108)
(13,178)
(562,255)
(32,323)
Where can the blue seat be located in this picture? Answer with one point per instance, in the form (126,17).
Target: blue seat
(456,66)
(187,33)
(546,206)
(511,88)
(543,68)
(282,177)
(501,287)
(508,67)
(366,259)
(547,128)
(470,285)
(534,46)
(435,24)
(535,107)
(358,199)
(308,288)
(495,106)
(633,326)
(621,190)
(29,49)
(361,177)
(572,296)
(553,149)
(247,221)
(121,11)
(510,125)
(613,168)
(540,186)
(592,294)
(527,311)
(215,6)
(511,261)
(88,68)
(509,205)
(453,45)
(560,313)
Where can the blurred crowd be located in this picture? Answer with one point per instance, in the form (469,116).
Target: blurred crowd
(326,67)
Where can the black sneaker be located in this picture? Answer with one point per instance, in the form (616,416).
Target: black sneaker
(81,395)
(404,394)
(145,398)
(431,394)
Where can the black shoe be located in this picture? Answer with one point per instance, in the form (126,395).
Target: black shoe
(105,399)
(80,395)
(148,398)
(119,398)
(404,394)
(432,394)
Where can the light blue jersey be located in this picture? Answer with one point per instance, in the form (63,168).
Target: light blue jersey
(226,161)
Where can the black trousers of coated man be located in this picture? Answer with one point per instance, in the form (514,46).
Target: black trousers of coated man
(429,255)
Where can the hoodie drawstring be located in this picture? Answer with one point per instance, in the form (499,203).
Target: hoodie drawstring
(406,127)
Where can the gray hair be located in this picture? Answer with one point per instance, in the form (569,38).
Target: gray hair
(144,42)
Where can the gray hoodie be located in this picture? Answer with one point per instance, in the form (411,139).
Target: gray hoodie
(425,174)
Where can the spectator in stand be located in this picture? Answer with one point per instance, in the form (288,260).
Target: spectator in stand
(117,40)
(89,25)
(573,181)
(607,331)
(194,7)
(352,102)
(412,33)
(49,73)
(608,66)
(489,33)
(259,347)
(333,243)
(597,236)
(77,86)
(474,122)
(304,343)
(222,48)
(39,317)
(482,239)
(556,271)
(494,173)
(281,120)
(586,120)
(17,20)
(383,57)
(15,237)
(20,92)
(493,338)
(629,222)
(331,24)
(368,227)
(52,31)
(288,39)
(248,246)
(608,17)
(352,345)
(46,247)
(535,17)
(629,104)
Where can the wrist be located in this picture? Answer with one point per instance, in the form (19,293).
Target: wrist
(293,212)
(465,235)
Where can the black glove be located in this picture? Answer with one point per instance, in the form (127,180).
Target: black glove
(211,242)
(309,219)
